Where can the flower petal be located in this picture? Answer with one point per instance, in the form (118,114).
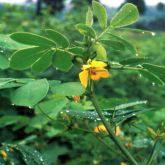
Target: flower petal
(100,129)
(85,67)
(95,76)
(99,73)
(83,76)
(98,64)
(104,73)
(117,131)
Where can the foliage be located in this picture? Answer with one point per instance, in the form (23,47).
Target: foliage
(44,114)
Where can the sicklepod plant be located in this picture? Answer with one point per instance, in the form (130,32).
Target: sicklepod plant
(94,62)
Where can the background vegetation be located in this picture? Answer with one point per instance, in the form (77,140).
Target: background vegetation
(72,144)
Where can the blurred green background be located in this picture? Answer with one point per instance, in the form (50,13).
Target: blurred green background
(73,146)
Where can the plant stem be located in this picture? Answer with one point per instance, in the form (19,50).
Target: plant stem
(153,153)
(104,32)
(97,39)
(110,131)
(108,146)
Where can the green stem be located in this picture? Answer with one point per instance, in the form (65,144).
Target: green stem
(63,50)
(96,40)
(110,147)
(110,131)
(153,153)
(104,32)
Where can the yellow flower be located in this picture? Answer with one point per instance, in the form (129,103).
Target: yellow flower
(123,163)
(117,131)
(95,70)
(3,154)
(100,129)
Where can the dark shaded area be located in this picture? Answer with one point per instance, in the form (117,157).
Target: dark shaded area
(140,5)
(55,6)
(160,6)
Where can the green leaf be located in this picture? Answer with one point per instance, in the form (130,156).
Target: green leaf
(53,83)
(12,82)
(154,152)
(43,63)
(128,46)
(155,69)
(4,81)
(115,45)
(76,50)
(76,106)
(58,38)
(68,89)
(62,60)
(53,132)
(89,17)
(32,39)
(111,102)
(101,51)
(24,58)
(13,157)
(128,105)
(113,116)
(7,43)
(135,61)
(31,93)
(100,13)
(53,151)
(127,15)
(10,120)
(36,123)
(138,31)
(151,76)
(4,63)
(53,107)
(30,155)
(86,30)
(47,111)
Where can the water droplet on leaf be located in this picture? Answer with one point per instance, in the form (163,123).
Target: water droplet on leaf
(153,84)
(153,34)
